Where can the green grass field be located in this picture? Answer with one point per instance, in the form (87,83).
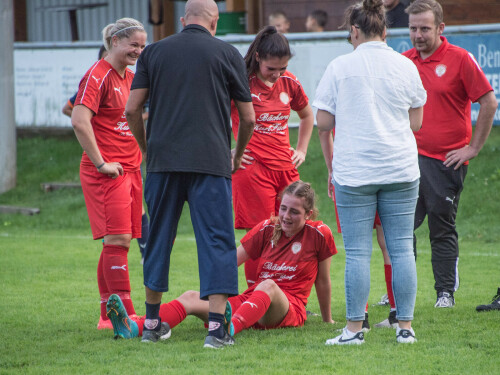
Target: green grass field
(50,302)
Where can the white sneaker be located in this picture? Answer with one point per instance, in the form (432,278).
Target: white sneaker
(390,322)
(445,299)
(405,336)
(347,338)
(384,301)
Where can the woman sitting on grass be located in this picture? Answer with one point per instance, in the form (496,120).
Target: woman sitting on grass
(295,253)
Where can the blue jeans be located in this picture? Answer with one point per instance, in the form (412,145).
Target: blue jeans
(356,207)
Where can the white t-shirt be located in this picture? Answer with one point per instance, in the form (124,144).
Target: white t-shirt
(370,91)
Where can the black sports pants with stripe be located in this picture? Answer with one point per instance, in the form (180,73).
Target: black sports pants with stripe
(439,194)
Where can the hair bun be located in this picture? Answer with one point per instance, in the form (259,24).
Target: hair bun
(373,5)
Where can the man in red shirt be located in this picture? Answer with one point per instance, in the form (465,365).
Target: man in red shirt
(453,79)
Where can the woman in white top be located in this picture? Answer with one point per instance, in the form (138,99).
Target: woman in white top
(374,98)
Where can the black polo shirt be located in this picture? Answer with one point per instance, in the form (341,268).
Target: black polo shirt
(191,77)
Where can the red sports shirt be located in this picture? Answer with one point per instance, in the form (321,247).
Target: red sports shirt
(270,143)
(453,79)
(293,262)
(105,93)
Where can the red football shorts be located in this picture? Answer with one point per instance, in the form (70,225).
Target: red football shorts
(339,229)
(114,206)
(295,317)
(256,191)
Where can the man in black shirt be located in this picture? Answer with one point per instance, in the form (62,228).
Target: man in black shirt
(395,15)
(190,79)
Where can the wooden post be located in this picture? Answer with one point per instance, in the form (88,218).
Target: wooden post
(255,18)
(7,122)
(235,6)
(164,10)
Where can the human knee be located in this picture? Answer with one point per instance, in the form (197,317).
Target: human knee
(189,297)
(118,240)
(268,286)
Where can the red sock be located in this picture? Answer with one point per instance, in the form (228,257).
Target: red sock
(140,322)
(251,311)
(103,288)
(366,308)
(388,283)
(173,313)
(115,270)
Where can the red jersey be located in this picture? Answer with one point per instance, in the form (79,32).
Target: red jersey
(292,263)
(105,93)
(452,78)
(270,143)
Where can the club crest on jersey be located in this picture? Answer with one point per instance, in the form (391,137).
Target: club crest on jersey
(284,98)
(440,70)
(296,247)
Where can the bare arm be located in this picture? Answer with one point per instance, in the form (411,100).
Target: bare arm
(133,112)
(325,120)
(67,109)
(326,123)
(245,131)
(324,290)
(80,119)
(416,117)
(306,126)
(488,106)
(241,255)
(326,141)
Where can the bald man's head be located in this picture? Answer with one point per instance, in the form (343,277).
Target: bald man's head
(201,12)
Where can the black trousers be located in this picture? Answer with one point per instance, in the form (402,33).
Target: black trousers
(439,194)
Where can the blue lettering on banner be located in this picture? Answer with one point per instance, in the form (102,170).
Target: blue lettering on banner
(486,49)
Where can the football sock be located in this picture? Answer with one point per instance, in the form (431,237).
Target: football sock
(103,288)
(173,313)
(152,316)
(251,311)
(145,234)
(115,270)
(140,322)
(366,308)
(388,283)
(216,325)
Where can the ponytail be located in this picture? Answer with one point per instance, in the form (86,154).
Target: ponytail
(267,43)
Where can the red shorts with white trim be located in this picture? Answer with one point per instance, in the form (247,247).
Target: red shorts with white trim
(339,229)
(256,192)
(295,317)
(114,206)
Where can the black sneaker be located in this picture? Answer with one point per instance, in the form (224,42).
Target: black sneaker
(494,305)
(217,343)
(366,325)
(444,299)
(151,335)
(390,322)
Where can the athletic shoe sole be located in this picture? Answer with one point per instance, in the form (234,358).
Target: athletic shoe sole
(123,326)
(228,323)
